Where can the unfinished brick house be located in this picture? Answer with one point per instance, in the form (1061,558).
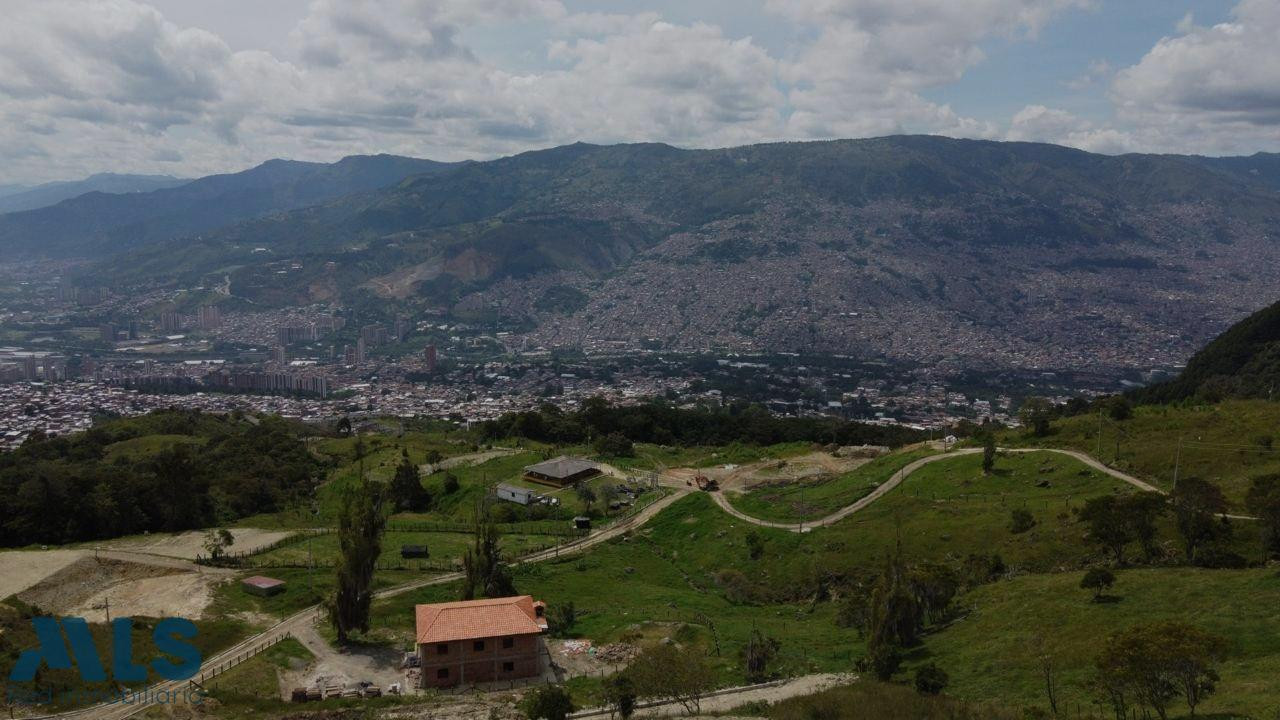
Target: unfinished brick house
(479,641)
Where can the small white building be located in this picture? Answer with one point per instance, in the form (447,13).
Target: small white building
(515,494)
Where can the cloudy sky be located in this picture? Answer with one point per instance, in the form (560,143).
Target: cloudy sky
(191,87)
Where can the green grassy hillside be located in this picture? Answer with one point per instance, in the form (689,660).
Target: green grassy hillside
(992,652)
(1228,443)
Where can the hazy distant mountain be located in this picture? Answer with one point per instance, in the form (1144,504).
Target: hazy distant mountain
(99,223)
(6,190)
(948,252)
(25,198)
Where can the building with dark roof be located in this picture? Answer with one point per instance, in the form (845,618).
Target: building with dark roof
(561,471)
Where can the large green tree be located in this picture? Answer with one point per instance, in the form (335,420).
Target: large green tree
(360,525)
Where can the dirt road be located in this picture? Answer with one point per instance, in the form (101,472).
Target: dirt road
(723,701)
(906,472)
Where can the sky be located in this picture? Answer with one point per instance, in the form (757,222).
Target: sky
(193,87)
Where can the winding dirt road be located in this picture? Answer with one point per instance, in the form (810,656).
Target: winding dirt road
(907,471)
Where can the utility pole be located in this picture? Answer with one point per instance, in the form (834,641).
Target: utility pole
(1177,462)
(1098,454)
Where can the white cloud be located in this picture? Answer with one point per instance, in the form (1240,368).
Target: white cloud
(1210,88)
(112,85)
(1037,123)
(873,58)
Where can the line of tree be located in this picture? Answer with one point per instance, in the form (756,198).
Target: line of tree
(184,470)
(664,424)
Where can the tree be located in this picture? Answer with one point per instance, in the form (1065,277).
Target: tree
(1263,500)
(930,679)
(217,541)
(561,618)
(1035,414)
(482,568)
(549,702)
(608,494)
(1142,510)
(434,457)
(1153,664)
(665,671)
(755,545)
(895,616)
(586,495)
(757,654)
(614,444)
(450,483)
(1196,505)
(885,661)
(1098,580)
(1108,524)
(406,492)
(1020,521)
(1120,408)
(988,453)
(360,525)
(620,695)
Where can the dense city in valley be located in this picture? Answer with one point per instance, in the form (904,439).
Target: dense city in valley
(69,354)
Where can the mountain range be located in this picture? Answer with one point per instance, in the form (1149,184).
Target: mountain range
(964,253)
(14,198)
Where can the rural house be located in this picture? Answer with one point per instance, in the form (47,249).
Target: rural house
(561,471)
(477,641)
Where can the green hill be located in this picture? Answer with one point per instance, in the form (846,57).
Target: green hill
(1243,362)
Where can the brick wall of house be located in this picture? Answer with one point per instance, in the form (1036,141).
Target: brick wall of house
(464,663)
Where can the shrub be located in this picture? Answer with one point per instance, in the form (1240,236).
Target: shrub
(1021,521)
(930,679)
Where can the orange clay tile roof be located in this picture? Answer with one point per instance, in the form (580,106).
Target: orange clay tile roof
(475,619)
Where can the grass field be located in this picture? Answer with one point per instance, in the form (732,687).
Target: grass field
(1227,443)
(444,547)
(814,498)
(992,652)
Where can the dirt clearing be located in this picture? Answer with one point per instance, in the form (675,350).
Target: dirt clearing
(90,586)
(188,545)
(21,569)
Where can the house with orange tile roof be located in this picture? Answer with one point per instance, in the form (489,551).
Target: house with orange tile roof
(480,641)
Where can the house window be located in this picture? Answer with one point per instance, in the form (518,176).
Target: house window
(442,674)
(478,646)
(508,642)
(508,667)
(442,649)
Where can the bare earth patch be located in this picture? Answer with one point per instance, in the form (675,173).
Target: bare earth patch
(21,569)
(90,587)
(188,545)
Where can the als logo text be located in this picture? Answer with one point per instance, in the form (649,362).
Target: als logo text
(169,636)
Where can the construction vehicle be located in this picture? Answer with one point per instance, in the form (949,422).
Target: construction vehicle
(706,484)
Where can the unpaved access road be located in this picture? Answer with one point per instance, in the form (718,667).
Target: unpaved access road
(910,468)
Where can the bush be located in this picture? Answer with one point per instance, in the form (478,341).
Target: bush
(930,679)
(1021,521)
(1218,558)
(550,702)
(450,484)
(884,662)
